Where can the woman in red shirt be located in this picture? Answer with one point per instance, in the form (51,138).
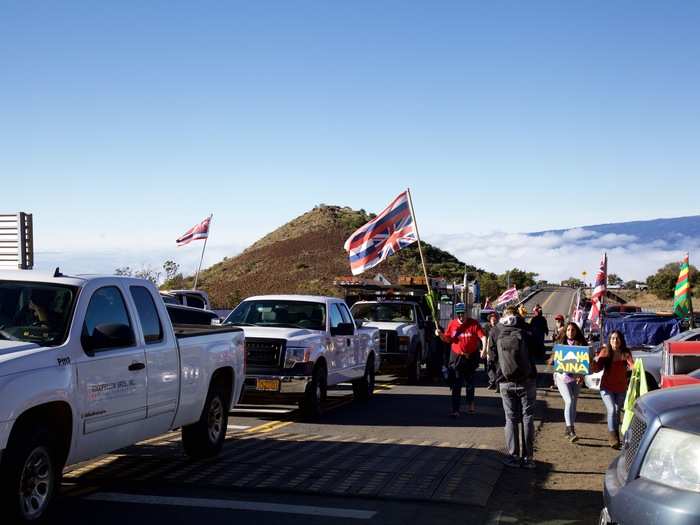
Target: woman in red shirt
(615,359)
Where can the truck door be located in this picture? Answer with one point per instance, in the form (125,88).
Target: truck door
(356,359)
(342,346)
(162,362)
(111,375)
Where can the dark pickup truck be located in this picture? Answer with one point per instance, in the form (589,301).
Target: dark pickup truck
(656,478)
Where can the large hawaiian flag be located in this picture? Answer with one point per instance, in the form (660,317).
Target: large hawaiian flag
(599,290)
(199,231)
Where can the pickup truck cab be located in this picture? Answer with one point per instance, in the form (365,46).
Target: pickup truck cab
(679,358)
(191,298)
(402,337)
(89,365)
(299,345)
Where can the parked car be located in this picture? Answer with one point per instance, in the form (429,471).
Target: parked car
(656,478)
(622,309)
(670,381)
(90,365)
(652,357)
(299,345)
(402,333)
(192,298)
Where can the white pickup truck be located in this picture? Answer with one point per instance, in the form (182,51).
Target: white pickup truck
(90,365)
(302,344)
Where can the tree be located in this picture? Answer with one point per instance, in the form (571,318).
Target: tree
(573,282)
(516,277)
(614,280)
(171,269)
(124,270)
(149,274)
(663,282)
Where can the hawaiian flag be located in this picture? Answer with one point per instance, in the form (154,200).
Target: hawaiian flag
(599,290)
(681,296)
(487,304)
(200,231)
(507,296)
(390,231)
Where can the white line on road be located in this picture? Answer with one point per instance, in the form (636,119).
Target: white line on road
(237,427)
(264,410)
(332,512)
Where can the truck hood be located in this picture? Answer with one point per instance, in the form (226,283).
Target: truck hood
(292,335)
(15,349)
(388,325)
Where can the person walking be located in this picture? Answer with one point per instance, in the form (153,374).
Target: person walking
(615,359)
(490,352)
(464,335)
(569,385)
(559,327)
(539,329)
(517,376)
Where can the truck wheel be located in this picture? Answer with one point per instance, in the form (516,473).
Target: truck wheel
(363,389)
(413,369)
(315,393)
(205,438)
(29,476)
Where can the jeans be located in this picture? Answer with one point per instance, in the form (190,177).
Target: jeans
(519,405)
(613,404)
(569,393)
(462,378)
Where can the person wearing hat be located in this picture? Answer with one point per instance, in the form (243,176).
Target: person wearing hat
(559,327)
(464,335)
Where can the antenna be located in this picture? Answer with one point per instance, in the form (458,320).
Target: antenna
(57,272)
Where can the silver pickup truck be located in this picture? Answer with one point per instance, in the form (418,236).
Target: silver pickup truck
(299,345)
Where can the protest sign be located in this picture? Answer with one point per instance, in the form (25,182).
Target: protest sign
(572,359)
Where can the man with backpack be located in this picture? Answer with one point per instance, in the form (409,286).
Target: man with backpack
(517,378)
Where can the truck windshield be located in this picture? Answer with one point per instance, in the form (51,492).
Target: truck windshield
(293,314)
(35,312)
(389,312)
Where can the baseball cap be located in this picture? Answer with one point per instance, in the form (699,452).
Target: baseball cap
(559,317)
(459,308)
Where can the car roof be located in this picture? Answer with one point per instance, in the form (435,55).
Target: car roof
(292,297)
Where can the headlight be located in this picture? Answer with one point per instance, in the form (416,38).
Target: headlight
(296,355)
(673,459)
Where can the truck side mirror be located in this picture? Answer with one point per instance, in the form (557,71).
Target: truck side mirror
(107,336)
(359,323)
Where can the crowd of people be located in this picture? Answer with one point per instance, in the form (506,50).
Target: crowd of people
(511,348)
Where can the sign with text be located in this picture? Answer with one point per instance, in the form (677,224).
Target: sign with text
(572,359)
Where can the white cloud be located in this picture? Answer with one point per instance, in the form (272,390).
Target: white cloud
(557,256)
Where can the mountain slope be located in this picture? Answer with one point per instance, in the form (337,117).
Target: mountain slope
(306,254)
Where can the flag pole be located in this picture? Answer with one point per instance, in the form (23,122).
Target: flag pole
(420,250)
(196,277)
(690,297)
(602,304)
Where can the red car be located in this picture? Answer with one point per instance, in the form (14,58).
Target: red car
(680,363)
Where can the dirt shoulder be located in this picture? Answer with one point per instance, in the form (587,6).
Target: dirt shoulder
(566,487)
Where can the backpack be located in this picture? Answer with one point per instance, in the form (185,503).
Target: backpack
(513,355)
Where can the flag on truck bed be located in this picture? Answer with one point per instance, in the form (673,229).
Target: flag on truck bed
(681,297)
(200,231)
(599,289)
(386,234)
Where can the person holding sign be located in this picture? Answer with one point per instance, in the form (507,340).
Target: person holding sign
(568,383)
(614,359)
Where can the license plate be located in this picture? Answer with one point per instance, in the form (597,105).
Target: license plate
(267,385)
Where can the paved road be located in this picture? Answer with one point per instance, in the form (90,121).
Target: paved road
(398,458)
(554,300)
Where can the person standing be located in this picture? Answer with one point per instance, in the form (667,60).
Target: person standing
(615,359)
(559,327)
(518,386)
(490,352)
(569,385)
(464,335)
(539,329)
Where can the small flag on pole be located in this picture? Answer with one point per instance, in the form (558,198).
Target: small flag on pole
(681,297)
(599,290)
(509,295)
(200,231)
(386,234)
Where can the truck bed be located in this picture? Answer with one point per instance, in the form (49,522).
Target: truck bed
(192,330)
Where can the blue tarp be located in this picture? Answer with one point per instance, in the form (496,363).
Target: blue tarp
(644,329)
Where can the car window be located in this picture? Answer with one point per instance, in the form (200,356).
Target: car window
(347,318)
(105,312)
(195,301)
(336,317)
(148,315)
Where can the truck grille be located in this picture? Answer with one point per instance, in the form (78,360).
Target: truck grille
(264,355)
(633,437)
(388,341)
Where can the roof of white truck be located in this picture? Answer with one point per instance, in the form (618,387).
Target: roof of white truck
(308,298)
(36,276)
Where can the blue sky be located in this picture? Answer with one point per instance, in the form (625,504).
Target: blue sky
(125,123)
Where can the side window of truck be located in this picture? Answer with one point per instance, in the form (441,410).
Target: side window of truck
(107,323)
(148,315)
(336,317)
(345,313)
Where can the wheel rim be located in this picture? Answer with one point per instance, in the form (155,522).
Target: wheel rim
(215,419)
(36,483)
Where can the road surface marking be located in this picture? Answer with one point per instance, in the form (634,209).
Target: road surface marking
(238,427)
(308,510)
(547,300)
(264,410)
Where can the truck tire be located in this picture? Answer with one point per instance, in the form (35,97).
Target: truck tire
(30,476)
(413,368)
(314,394)
(205,438)
(363,389)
